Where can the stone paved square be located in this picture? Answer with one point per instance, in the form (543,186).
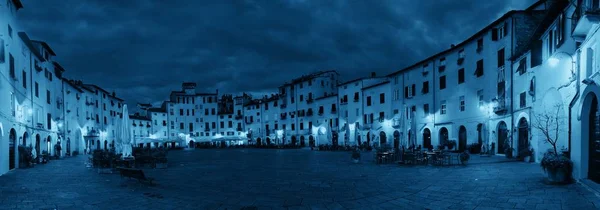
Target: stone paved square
(290,179)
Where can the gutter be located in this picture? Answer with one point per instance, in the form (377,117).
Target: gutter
(511,72)
(572,104)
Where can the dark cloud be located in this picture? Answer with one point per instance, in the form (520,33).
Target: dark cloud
(144,49)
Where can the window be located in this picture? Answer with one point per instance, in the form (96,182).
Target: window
(409,91)
(382,98)
(442,66)
(461,53)
(522,66)
(425,70)
(395,80)
(356,97)
(396,111)
(301,98)
(442,82)
(501,58)
(396,95)
(479,44)
(357,112)
(462,103)
(180,112)
(181,126)
(223,124)
(24,79)
(480,98)
(49,121)
(523,100)
(425,110)
(10,31)
(48,96)
(479,69)
(425,89)
(443,107)
(414,87)
(11,63)
(461,76)
(368,100)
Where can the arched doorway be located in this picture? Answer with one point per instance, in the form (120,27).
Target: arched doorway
(112,144)
(294,140)
(98,144)
(502,137)
(302,141)
(480,134)
(105,144)
(268,141)
(334,139)
(12,153)
(68,146)
(368,138)
(427,138)
(462,139)
(396,140)
(37,145)
(382,138)
(191,144)
(443,138)
(523,134)
(594,138)
(258,142)
(49,144)
(358,139)
(25,137)
(311,140)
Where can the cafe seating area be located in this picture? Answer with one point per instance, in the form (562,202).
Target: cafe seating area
(417,156)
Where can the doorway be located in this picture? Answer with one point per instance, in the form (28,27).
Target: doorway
(462,139)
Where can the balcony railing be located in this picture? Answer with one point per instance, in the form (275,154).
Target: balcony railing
(583,19)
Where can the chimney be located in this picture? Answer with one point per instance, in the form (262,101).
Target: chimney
(373,74)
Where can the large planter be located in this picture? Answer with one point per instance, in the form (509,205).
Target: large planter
(558,175)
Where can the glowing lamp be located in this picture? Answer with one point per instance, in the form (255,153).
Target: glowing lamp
(322,130)
(553,61)
(30,111)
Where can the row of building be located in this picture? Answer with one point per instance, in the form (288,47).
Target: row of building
(527,77)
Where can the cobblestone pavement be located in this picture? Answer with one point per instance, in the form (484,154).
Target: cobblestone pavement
(289,179)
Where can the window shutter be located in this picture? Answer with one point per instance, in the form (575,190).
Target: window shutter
(505,28)
(536,53)
(494,34)
(405,92)
(414,87)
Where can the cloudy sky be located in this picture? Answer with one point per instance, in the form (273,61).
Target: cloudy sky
(143,49)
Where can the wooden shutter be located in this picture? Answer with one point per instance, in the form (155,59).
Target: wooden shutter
(505,28)
(494,34)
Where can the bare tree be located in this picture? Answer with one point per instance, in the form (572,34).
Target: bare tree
(549,122)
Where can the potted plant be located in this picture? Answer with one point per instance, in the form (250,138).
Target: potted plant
(557,167)
(464,157)
(355,156)
(525,154)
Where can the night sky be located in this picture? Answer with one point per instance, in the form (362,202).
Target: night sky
(143,49)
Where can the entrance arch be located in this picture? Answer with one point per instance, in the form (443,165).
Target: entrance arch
(427,138)
(258,142)
(593,135)
(25,137)
(105,144)
(12,154)
(382,138)
(191,144)
(480,134)
(302,141)
(502,137)
(523,134)
(396,140)
(462,139)
(294,140)
(311,140)
(268,141)
(97,144)
(443,137)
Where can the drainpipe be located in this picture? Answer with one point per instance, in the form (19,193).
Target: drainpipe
(573,101)
(433,105)
(512,104)
(32,97)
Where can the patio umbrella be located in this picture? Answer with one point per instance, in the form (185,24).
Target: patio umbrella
(413,128)
(125,137)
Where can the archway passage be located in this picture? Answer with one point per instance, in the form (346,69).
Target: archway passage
(502,137)
(443,136)
(12,154)
(523,134)
(311,140)
(594,141)
(268,141)
(396,140)
(98,144)
(382,138)
(25,137)
(294,140)
(258,142)
(173,145)
(462,139)
(191,144)
(427,138)
(105,144)
(37,145)
(480,134)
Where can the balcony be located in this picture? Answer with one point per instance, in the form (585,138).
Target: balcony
(583,19)
(500,107)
